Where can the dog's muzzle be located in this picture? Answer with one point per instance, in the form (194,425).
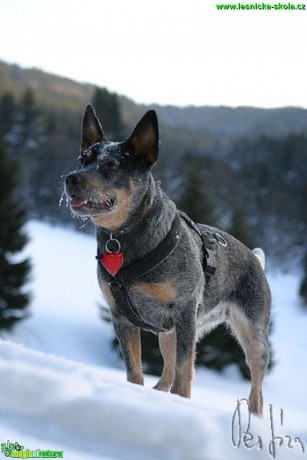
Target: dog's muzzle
(79,201)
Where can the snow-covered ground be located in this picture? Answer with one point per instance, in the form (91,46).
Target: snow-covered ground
(63,388)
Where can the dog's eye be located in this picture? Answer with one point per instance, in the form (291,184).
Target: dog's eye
(86,158)
(109,165)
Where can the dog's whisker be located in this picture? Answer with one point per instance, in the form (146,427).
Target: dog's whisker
(63,196)
(86,220)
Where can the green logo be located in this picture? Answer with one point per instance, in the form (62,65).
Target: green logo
(15,450)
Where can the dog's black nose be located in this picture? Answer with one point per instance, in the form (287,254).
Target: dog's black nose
(72,180)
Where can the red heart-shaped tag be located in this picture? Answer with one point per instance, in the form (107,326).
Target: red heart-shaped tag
(112,262)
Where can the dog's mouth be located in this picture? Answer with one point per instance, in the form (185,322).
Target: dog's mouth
(91,207)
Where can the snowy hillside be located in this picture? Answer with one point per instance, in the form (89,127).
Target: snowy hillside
(64,389)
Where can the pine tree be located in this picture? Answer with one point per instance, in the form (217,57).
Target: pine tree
(30,135)
(239,226)
(193,197)
(303,285)
(7,116)
(108,110)
(13,272)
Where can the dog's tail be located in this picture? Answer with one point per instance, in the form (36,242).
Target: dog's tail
(259,253)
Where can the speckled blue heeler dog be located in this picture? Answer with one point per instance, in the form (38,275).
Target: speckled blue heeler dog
(197,278)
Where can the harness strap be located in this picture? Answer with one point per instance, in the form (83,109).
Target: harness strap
(209,261)
(127,275)
(128,310)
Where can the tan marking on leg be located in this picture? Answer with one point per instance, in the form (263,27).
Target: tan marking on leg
(115,219)
(164,292)
(255,397)
(183,381)
(251,345)
(133,348)
(167,344)
(104,286)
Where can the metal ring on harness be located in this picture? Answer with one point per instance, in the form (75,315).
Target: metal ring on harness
(111,241)
(220,239)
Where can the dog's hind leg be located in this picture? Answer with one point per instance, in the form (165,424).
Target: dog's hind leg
(253,338)
(167,344)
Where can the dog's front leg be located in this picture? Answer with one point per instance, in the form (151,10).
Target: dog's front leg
(129,338)
(186,337)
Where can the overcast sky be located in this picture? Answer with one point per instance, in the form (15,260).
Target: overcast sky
(164,51)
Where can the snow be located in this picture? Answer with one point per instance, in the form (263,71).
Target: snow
(63,388)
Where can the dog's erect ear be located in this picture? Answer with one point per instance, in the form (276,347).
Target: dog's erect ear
(144,141)
(91,130)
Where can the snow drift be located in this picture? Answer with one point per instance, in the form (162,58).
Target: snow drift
(70,393)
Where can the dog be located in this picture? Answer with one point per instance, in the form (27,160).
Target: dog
(175,296)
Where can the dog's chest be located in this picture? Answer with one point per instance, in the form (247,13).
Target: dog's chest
(157,295)
(140,293)
(163,292)
(154,301)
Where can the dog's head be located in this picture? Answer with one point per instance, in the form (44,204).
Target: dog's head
(113,177)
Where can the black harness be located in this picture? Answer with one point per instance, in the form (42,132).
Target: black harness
(127,275)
